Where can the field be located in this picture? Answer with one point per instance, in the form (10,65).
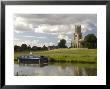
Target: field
(74,55)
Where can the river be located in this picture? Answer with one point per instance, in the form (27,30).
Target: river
(55,69)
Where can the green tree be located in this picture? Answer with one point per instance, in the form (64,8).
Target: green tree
(62,43)
(34,48)
(17,48)
(44,48)
(90,41)
(29,48)
(24,47)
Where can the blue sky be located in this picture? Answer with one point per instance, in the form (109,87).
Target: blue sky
(49,29)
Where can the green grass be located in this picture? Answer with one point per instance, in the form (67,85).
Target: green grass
(75,55)
(79,65)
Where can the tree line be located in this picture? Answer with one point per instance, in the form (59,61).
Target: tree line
(90,41)
(25,47)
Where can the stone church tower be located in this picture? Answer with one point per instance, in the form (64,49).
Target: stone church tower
(77,37)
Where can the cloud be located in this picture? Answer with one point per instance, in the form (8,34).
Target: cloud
(28,42)
(53,29)
(48,29)
(39,37)
(64,36)
(49,44)
(56,19)
(52,23)
(29,36)
(21,25)
(37,43)
(16,39)
(17,32)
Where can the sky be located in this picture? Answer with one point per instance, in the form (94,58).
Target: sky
(49,29)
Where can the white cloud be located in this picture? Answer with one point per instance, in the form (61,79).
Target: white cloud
(33,43)
(16,31)
(19,20)
(28,42)
(39,37)
(60,26)
(31,23)
(20,25)
(53,29)
(49,44)
(40,29)
(63,36)
(16,39)
(30,36)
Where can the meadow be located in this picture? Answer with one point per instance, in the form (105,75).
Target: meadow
(72,55)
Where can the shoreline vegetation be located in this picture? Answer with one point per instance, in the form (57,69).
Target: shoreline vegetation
(63,55)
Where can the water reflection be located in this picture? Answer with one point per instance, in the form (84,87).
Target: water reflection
(55,69)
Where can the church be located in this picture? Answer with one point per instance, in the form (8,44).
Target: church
(77,37)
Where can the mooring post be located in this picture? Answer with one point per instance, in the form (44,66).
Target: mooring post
(39,61)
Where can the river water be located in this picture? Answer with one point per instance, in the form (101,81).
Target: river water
(55,69)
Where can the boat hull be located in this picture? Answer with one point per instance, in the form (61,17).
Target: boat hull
(40,60)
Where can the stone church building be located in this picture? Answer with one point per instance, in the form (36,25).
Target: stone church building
(77,37)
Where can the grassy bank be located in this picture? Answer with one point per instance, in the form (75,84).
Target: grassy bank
(80,55)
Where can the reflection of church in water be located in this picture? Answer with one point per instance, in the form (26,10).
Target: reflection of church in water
(77,37)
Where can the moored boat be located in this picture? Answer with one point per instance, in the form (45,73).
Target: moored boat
(32,58)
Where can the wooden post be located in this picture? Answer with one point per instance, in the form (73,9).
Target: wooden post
(39,61)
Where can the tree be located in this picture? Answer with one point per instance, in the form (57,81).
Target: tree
(44,48)
(29,48)
(34,48)
(24,47)
(90,41)
(16,48)
(62,43)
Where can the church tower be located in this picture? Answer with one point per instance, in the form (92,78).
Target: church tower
(77,36)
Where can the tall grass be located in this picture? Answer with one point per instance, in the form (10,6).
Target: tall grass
(79,55)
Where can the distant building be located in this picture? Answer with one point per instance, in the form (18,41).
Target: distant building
(77,37)
(52,47)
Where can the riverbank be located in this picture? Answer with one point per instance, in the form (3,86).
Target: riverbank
(73,55)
